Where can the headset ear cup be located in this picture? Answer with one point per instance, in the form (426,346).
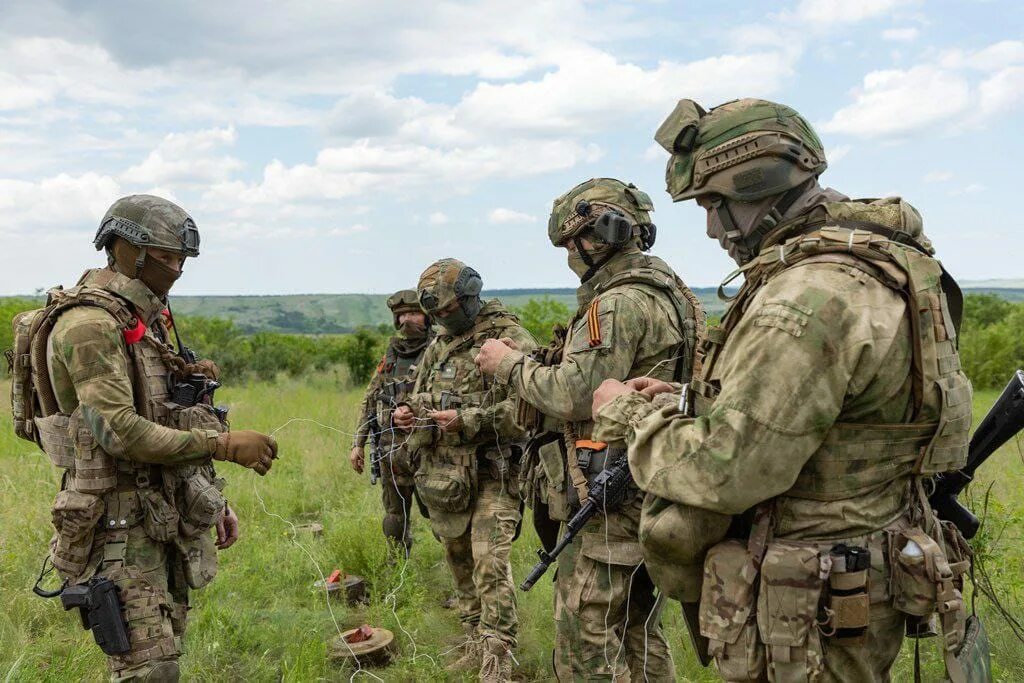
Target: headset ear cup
(613,228)
(468,283)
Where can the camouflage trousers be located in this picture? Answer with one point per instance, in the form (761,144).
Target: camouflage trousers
(873,660)
(397,492)
(607,619)
(154,601)
(479,562)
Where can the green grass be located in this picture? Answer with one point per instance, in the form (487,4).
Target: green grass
(262,621)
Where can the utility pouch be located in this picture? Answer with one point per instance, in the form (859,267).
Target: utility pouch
(95,469)
(198,559)
(56,439)
(444,486)
(727,600)
(199,416)
(552,462)
(100,610)
(849,600)
(159,518)
(787,609)
(75,515)
(202,503)
(914,556)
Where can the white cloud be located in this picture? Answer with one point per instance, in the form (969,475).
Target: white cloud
(190,158)
(351,170)
(974,86)
(896,101)
(828,13)
(938,176)
(437,218)
(838,153)
(973,188)
(502,215)
(901,35)
(60,203)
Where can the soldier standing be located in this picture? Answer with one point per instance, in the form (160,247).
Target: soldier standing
(829,394)
(636,318)
(464,431)
(391,383)
(131,424)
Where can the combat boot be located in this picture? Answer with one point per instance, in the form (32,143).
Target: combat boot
(497,664)
(471,650)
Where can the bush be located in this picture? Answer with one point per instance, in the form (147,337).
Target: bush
(992,340)
(540,315)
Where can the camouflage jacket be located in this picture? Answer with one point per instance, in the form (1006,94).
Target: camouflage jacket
(448,379)
(89,368)
(391,382)
(813,399)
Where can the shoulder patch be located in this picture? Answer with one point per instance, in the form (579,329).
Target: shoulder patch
(785,315)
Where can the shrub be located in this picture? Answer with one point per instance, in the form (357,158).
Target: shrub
(540,315)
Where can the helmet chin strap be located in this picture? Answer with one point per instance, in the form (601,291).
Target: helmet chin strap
(140,261)
(592,265)
(747,246)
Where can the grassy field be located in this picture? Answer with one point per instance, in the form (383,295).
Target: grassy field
(261,620)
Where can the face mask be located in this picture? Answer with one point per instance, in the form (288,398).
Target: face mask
(462,318)
(159,278)
(412,329)
(746,216)
(579,266)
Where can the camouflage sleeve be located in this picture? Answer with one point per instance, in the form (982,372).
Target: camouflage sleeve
(565,391)
(810,338)
(498,420)
(419,400)
(92,353)
(366,409)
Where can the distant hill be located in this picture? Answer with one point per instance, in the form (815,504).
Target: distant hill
(339,313)
(342,313)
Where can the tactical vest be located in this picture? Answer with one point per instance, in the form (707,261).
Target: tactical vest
(653,274)
(395,382)
(771,600)
(448,474)
(103,496)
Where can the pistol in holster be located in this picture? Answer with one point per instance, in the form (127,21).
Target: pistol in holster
(100,609)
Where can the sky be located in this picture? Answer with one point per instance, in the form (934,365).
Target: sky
(344,146)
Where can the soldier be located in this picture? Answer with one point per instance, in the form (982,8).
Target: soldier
(829,393)
(636,318)
(390,385)
(131,423)
(467,441)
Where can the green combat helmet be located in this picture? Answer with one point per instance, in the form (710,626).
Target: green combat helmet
(744,151)
(583,208)
(446,282)
(143,221)
(404,301)
(608,213)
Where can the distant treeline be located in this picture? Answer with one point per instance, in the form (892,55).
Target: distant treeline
(991,343)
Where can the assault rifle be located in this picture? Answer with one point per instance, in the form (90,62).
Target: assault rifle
(1002,422)
(375,454)
(606,492)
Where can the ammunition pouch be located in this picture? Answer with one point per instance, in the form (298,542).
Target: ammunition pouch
(849,601)
(159,518)
(787,610)
(551,457)
(198,559)
(75,518)
(727,616)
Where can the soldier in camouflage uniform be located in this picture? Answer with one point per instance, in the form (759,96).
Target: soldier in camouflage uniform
(140,495)
(464,432)
(636,318)
(829,393)
(391,383)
